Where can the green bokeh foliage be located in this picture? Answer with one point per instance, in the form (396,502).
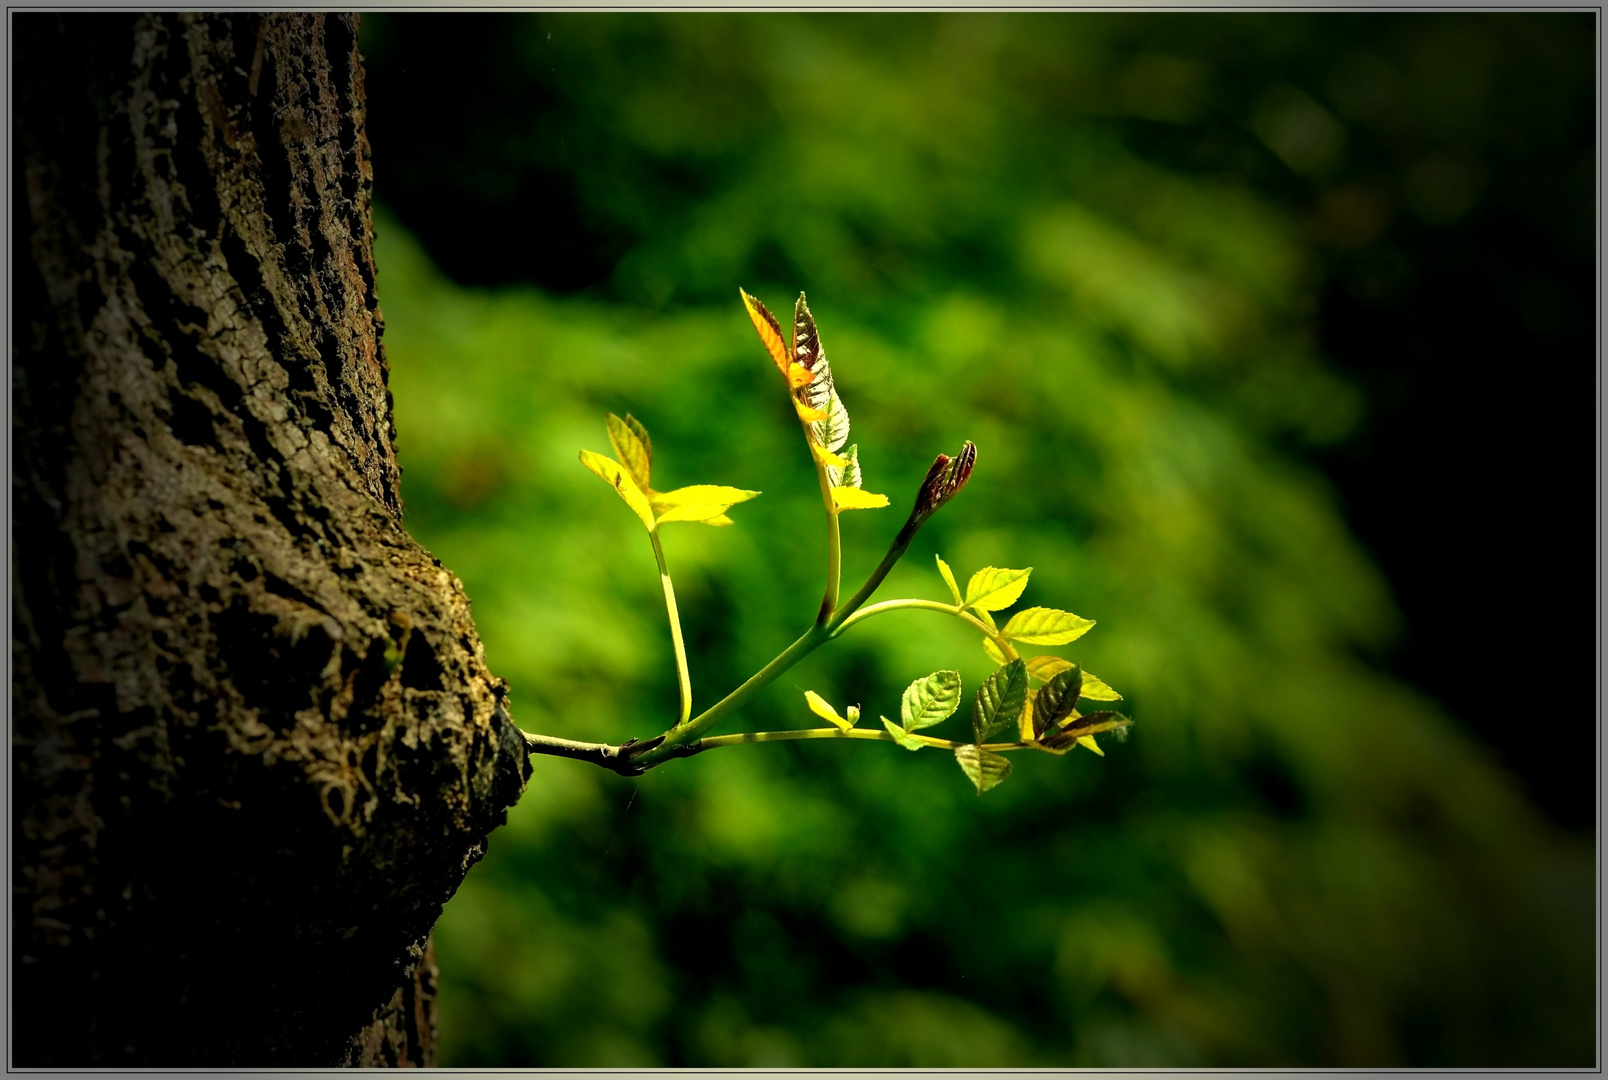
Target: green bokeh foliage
(1294,860)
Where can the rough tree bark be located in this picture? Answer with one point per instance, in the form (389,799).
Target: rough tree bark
(255,743)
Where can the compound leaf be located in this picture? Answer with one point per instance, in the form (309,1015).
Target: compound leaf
(991,589)
(616,476)
(999,700)
(930,700)
(1046,626)
(983,768)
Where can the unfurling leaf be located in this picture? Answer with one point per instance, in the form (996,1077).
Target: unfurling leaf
(820,708)
(1056,699)
(845,471)
(1045,668)
(983,768)
(1095,690)
(632,448)
(946,477)
(1082,730)
(850,498)
(994,652)
(1046,626)
(616,476)
(770,331)
(901,736)
(949,579)
(930,700)
(998,701)
(991,589)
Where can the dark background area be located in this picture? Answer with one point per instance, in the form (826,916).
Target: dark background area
(1452,209)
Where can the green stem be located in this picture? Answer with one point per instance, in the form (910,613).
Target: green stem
(834,544)
(675,628)
(838,733)
(999,639)
(896,550)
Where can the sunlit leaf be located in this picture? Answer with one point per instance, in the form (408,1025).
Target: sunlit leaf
(1024,719)
(949,579)
(1045,668)
(770,331)
(1056,699)
(991,589)
(983,768)
(986,619)
(1046,626)
(998,702)
(849,498)
(808,413)
(615,475)
(1095,690)
(820,708)
(631,449)
(721,520)
(930,700)
(901,736)
(834,464)
(995,653)
(701,493)
(699,512)
(1088,743)
(798,375)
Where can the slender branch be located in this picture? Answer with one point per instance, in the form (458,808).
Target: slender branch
(682,673)
(620,759)
(834,541)
(994,635)
(896,550)
(837,733)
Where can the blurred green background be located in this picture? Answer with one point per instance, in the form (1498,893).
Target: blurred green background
(1237,310)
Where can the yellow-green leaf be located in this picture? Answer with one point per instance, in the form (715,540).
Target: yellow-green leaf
(1088,743)
(721,520)
(826,457)
(992,589)
(1095,690)
(1046,626)
(770,331)
(1024,722)
(850,498)
(994,652)
(1045,668)
(630,449)
(615,475)
(820,708)
(984,768)
(930,700)
(949,579)
(900,736)
(987,619)
(701,493)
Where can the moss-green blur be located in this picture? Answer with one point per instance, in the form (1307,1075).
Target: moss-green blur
(1293,860)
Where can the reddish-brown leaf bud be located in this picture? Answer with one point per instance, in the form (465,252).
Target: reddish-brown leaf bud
(947,476)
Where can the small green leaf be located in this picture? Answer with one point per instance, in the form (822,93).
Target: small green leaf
(1056,700)
(1046,626)
(949,579)
(993,651)
(901,737)
(631,447)
(982,767)
(615,475)
(1045,668)
(930,701)
(992,589)
(998,701)
(1095,690)
(820,708)
(852,714)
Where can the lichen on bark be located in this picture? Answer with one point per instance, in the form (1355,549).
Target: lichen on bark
(255,744)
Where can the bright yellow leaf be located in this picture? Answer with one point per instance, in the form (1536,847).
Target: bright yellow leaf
(1088,742)
(613,473)
(993,651)
(848,498)
(1095,690)
(806,413)
(701,493)
(1046,626)
(992,589)
(820,708)
(949,579)
(826,457)
(798,375)
(1045,668)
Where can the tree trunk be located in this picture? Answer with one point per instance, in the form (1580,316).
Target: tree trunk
(255,743)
